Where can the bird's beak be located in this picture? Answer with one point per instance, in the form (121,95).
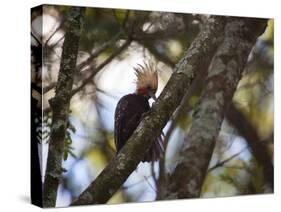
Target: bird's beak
(152,95)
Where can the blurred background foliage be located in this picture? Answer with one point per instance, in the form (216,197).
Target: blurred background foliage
(162,38)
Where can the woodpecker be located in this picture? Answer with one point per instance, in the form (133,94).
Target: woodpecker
(130,108)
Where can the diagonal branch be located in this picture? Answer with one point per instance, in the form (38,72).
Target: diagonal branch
(221,163)
(96,53)
(119,169)
(60,106)
(223,76)
(53,33)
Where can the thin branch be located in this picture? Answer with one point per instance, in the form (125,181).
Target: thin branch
(57,42)
(94,71)
(35,38)
(149,184)
(102,65)
(53,33)
(46,89)
(97,52)
(35,35)
(223,162)
(182,109)
(92,56)
(120,167)
(160,56)
(134,184)
(234,167)
(153,174)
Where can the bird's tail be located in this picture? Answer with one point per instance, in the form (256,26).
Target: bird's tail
(156,150)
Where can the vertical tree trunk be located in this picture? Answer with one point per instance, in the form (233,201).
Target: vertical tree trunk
(224,74)
(60,105)
(258,149)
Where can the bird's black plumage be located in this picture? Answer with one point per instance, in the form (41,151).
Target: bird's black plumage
(128,115)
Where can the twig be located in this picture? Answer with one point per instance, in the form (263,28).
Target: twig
(102,65)
(134,184)
(183,108)
(147,180)
(57,42)
(102,48)
(37,40)
(53,33)
(89,60)
(160,56)
(221,163)
(234,167)
(46,89)
(153,174)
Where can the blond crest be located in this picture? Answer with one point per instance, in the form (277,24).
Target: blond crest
(147,76)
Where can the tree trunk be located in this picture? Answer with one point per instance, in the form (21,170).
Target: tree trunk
(60,105)
(223,76)
(258,149)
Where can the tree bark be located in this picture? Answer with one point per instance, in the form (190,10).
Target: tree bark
(223,76)
(118,170)
(258,149)
(60,105)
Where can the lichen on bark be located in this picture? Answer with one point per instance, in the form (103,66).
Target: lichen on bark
(60,105)
(224,73)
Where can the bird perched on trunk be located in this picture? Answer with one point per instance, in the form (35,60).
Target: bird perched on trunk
(131,107)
